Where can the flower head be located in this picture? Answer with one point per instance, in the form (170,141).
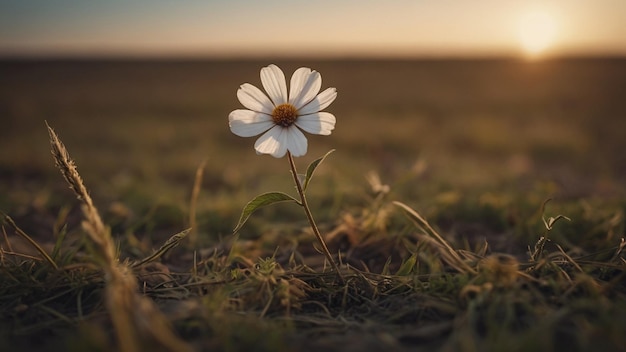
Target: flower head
(281,117)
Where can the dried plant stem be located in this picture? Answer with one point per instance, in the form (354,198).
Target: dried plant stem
(309,216)
(134,317)
(193,204)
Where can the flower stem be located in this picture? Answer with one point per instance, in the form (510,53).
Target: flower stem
(309,216)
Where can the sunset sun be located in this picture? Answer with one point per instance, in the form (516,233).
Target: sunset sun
(536,32)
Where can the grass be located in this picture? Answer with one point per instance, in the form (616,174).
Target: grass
(435,201)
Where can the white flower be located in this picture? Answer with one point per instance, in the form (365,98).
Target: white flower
(282,116)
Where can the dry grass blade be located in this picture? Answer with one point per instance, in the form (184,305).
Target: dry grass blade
(31,241)
(568,258)
(444,254)
(450,251)
(197,184)
(169,244)
(134,317)
(619,250)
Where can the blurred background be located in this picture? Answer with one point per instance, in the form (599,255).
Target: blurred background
(339,28)
(444,100)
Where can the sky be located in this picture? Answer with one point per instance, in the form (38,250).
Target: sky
(242,28)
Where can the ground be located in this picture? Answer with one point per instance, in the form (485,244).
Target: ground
(473,148)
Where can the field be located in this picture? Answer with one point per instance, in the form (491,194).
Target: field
(485,154)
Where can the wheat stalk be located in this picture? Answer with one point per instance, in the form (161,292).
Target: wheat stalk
(133,316)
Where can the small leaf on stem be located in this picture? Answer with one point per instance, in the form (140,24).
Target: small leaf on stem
(311,169)
(261,201)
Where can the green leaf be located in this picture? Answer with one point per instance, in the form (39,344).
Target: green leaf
(311,169)
(261,201)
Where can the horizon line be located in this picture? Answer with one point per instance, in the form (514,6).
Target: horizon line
(289,57)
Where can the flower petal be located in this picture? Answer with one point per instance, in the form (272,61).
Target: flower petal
(246,123)
(304,86)
(273,142)
(319,123)
(254,99)
(296,141)
(320,102)
(273,80)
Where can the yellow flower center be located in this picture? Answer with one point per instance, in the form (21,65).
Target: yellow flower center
(285,115)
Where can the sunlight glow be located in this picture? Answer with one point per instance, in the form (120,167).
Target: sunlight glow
(537,31)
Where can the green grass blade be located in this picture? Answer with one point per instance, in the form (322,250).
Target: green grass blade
(407,267)
(59,242)
(385,270)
